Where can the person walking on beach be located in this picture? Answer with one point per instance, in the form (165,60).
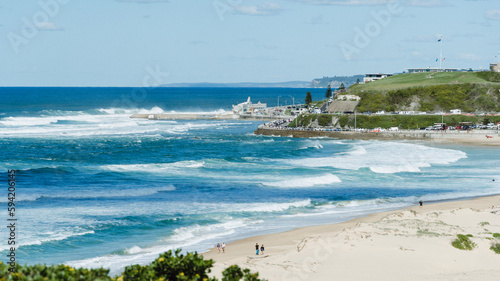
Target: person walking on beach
(262,249)
(257,248)
(421,203)
(218,247)
(223,248)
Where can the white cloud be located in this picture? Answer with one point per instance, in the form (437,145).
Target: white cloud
(48,26)
(493,14)
(265,9)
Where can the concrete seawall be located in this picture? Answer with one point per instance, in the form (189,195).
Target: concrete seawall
(463,137)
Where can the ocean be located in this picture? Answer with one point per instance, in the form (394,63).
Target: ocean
(96,188)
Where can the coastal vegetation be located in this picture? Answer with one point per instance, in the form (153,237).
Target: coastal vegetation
(467,97)
(469,92)
(412,80)
(495,248)
(387,121)
(329,92)
(463,242)
(308,98)
(171,265)
(489,76)
(427,92)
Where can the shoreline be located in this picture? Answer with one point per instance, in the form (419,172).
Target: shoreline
(413,243)
(475,138)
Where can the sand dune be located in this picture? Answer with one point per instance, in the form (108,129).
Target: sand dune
(410,244)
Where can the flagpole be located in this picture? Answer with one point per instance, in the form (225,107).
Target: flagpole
(441,54)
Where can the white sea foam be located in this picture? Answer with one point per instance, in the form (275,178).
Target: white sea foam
(93,193)
(107,121)
(48,236)
(155,168)
(130,111)
(296,182)
(195,233)
(215,112)
(134,250)
(384,157)
(312,144)
(268,206)
(183,237)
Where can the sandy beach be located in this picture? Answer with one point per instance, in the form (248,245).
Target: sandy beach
(409,244)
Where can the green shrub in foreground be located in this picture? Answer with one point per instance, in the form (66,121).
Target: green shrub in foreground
(169,266)
(53,272)
(496,235)
(463,242)
(235,273)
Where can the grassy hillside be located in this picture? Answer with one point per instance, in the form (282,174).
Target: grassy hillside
(410,80)
(444,97)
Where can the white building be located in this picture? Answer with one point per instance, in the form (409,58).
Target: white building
(495,67)
(374,77)
(420,70)
(456,111)
(249,107)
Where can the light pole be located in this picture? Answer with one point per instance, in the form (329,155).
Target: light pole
(355,120)
(278,108)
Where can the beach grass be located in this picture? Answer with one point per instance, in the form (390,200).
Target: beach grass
(463,242)
(495,248)
(484,223)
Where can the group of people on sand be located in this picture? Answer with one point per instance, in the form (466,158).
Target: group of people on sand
(257,249)
(223,246)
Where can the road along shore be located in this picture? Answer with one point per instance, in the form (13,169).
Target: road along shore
(476,137)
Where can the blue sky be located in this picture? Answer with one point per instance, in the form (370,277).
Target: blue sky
(150,42)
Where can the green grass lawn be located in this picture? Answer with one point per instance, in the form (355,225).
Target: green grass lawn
(408,80)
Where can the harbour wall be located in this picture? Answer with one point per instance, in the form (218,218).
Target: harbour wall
(384,135)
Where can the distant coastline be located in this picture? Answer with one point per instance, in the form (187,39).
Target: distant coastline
(288,84)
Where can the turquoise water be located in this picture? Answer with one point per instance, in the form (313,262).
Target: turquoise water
(96,188)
